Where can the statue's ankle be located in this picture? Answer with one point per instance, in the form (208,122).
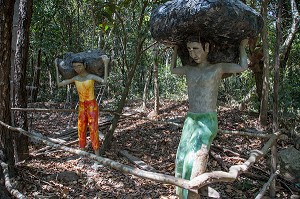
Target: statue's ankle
(97,152)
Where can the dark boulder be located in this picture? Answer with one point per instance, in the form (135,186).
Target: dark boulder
(93,60)
(224,23)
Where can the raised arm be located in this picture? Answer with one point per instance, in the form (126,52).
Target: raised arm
(106,61)
(174,69)
(64,82)
(96,77)
(237,68)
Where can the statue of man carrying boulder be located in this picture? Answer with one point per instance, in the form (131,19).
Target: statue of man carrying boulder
(210,37)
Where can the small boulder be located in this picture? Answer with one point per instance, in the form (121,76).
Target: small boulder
(289,160)
(93,59)
(66,176)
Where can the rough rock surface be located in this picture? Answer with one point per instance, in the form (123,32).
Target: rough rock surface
(224,23)
(290,164)
(92,58)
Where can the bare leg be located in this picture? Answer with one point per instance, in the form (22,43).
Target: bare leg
(200,161)
(97,152)
(199,167)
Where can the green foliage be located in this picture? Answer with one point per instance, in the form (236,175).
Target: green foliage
(289,95)
(117,27)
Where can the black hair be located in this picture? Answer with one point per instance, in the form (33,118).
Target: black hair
(196,38)
(78,59)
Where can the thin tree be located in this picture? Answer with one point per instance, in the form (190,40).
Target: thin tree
(36,77)
(132,68)
(275,90)
(287,44)
(6,19)
(13,52)
(155,78)
(21,59)
(146,87)
(263,114)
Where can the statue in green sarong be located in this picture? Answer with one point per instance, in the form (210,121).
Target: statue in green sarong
(201,125)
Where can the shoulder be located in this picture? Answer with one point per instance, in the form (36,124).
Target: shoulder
(180,70)
(95,78)
(76,78)
(91,77)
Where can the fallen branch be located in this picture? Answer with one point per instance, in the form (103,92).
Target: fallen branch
(234,171)
(8,184)
(255,176)
(243,133)
(141,164)
(218,159)
(43,110)
(103,111)
(163,178)
(267,185)
(193,185)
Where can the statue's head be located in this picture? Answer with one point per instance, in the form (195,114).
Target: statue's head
(198,49)
(79,65)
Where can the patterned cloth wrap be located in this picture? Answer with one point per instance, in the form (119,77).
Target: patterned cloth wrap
(87,113)
(198,129)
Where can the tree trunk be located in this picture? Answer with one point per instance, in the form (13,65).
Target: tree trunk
(138,52)
(37,72)
(263,113)
(6,19)
(155,78)
(145,93)
(21,59)
(275,89)
(121,104)
(13,52)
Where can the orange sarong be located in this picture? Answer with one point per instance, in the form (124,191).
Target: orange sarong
(88,116)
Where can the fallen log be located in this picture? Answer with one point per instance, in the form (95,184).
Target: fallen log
(193,185)
(159,177)
(8,184)
(141,164)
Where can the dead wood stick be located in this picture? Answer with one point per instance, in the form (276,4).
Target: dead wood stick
(267,185)
(159,177)
(42,110)
(141,164)
(225,150)
(8,185)
(218,159)
(235,170)
(280,178)
(65,132)
(243,133)
(255,176)
(103,111)
(49,148)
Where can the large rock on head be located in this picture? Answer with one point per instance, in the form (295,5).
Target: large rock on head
(224,23)
(92,58)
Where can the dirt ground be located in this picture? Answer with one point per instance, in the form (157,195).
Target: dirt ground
(52,173)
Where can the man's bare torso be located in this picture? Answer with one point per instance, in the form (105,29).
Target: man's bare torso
(203,83)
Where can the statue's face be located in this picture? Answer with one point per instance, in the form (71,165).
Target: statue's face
(197,52)
(78,67)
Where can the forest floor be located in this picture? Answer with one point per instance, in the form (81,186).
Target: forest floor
(52,173)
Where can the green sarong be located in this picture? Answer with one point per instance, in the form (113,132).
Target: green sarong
(198,129)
